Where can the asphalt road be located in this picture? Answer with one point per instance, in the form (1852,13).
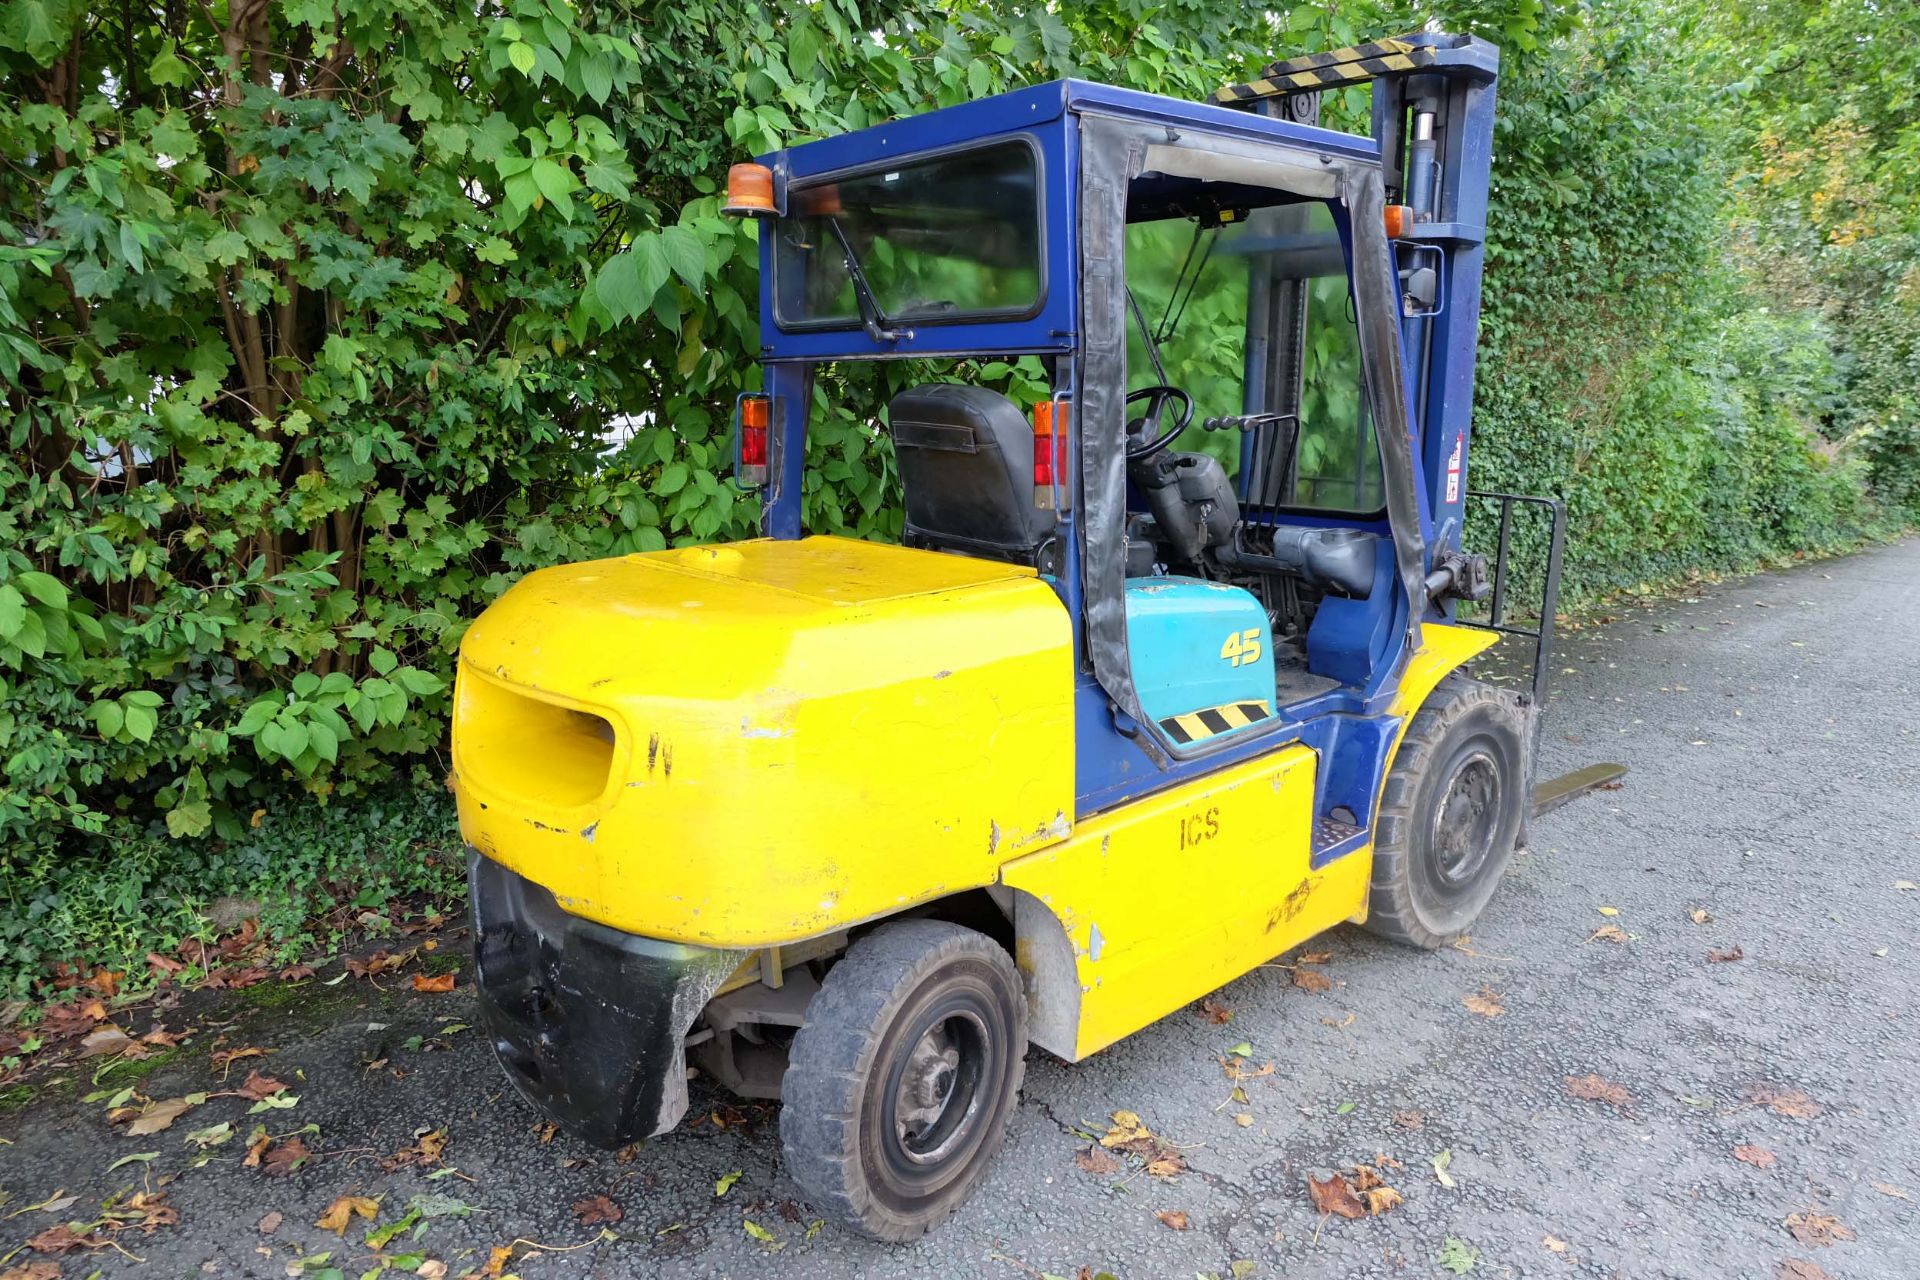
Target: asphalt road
(1770,726)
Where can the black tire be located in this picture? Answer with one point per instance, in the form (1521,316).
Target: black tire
(902,1083)
(1450,815)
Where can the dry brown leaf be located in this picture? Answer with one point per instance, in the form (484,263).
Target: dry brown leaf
(1801,1269)
(1243,1119)
(1166,1164)
(1095,1161)
(1728,956)
(1175,1218)
(1888,1189)
(1818,1229)
(1341,1025)
(283,1158)
(36,1270)
(1217,1014)
(1366,1178)
(1792,1103)
(497,1259)
(440,982)
(270,1222)
(1758,1157)
(257,1147)
(1608,933)
(342,1211)
(1554,1244)
(1311,980)
(154,1210)
(1381,1199)
(595,1210)
(1335,1196)
(159,1115)
(104,1040)
(1486,1004)
(259,1086)
(1700,915)
(1408,1119)
(1237,1069)
(432,1269)
(545,1131)
(1594,1088)
(1315,957)
(63,1238)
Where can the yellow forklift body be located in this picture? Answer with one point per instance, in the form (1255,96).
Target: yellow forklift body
(759,742)
(1166,899)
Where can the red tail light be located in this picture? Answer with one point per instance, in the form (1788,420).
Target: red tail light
(1049,428)
(755,413)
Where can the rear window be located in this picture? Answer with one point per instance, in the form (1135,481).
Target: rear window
(941,238)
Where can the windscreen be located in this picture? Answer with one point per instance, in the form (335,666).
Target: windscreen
(947,237)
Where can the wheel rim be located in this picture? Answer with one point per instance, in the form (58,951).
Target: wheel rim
(935,1098)
(1466,822)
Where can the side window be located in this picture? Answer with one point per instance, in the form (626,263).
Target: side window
(1205,352)
(1295,261)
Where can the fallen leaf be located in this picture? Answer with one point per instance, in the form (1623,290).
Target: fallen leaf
(1315,957)
(1818,1229)
(1341,1025)
(1166,1165)
(1609,911)
(1095,1161)
(1700,915)
(1608,933)
(1243,1119)
(432,1269)
(1335,1196)
(1905,886)
(259,1086)
(1457,1256)
(1554,1243)
(32,1271)
(440,982)
(497,1259)
(1440,1163)
(1785,1102)
(270,1222)
(283,1158)
(1801,1269)
(104,1040)
(1758,1157)
(1217,1014)
(546,1130)
(1486,1004)
(211,1136)
(1242,1268)
(1127,1127)
(225,1058)
(595,1210)
(1594,1088)
(758,1232)
(1175,1218)
(1727,956)
(63,1238)
(1381,1199)
(161,1115)
(1311,980)
(1408,1119)
(257,1143)
(154,1211)
(725,1184)
(1888,1189)
(1365,1178)
(342,1211)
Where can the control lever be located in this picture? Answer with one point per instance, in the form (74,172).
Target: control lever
(1248,421)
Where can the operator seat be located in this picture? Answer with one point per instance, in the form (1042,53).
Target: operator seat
(966,461)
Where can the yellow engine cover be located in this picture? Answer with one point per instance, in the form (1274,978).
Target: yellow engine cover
(759,742)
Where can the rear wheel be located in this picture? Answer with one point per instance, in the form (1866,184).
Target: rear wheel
(902,1083)
(1450,814)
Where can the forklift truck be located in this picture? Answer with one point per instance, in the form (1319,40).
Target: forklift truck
(1136,705)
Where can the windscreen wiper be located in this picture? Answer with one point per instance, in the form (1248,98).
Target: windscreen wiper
(878,327)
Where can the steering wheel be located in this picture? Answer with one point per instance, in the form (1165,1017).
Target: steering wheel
(1159,394)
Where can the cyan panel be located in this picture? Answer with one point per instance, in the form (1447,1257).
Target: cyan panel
(1196,644)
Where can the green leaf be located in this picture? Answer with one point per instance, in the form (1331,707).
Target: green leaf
(13,611)
(685,255)
(110,717)
(167,69)
(628,282)
(382,661)
(45,588)
(1457,1256)
(520,54)
(141,722)
(596,77)
(725,1184)
(138,1157)
(417,682)
(194,818)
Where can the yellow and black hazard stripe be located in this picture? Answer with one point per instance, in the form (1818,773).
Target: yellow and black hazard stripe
(1330,70)
(1197,725)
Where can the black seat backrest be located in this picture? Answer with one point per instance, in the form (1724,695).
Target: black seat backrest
(966,460)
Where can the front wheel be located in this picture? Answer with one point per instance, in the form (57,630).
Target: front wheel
(902,1083)
(1450,814)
